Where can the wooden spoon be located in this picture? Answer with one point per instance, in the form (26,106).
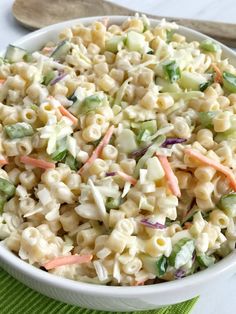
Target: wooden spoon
(39,13)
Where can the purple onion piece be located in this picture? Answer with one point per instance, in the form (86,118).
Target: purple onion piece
(149,224)
(173,140)
(110,174)
(58,78)
(140,152)
(180,273)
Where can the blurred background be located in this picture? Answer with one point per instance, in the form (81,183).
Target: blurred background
(217,10)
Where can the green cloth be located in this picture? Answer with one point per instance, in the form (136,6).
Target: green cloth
(16,298)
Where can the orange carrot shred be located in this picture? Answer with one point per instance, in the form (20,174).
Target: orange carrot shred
(38,163)
(2,81)
(126,177)
(3,161)
(170,176)
(214,164)
(68,260)
(96,153)
(67,114)
(218,77)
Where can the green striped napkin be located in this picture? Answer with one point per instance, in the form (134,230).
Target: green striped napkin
(16,298)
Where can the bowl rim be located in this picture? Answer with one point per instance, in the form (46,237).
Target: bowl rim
(10,260)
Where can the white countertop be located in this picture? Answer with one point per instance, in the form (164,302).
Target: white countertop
(222,300)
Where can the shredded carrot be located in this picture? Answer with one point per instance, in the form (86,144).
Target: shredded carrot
(170,176)
(214,164)
(218,77)
(2,81)
(96,153)
(126,177)
(67,114)
(3,161)
(48,49)
(139,283)
(68,260)
(38,163)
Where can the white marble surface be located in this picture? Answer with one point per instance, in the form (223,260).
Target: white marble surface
(222,300)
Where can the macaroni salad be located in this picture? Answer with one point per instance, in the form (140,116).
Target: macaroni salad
(117,153)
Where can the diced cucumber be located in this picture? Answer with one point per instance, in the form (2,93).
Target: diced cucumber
(182,252)
(206,118)
(90,103)
(50,75)
(191,81)
(61,51)
(135,41)
(7,188)
(113,44)
(205,260)
(112,203)
(72,162)
(229,81)
(161,266)
(209,45)
(126,141)
(18,130)
(147,128)
(15,54)
(167,87)
(172,71)
(61,150)
(227,203)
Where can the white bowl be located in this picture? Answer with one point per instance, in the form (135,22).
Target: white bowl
(105,297)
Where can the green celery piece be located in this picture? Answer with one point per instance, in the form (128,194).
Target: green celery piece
(227,203)
(135,41)
(3,199)
(61,150)
(18,130)
(90,103)
(206,118)
(227,135)
(149,153)
(229,82)
(182,252)
(113,43)
(7,188)
(112,203)
(209,46)
(205,260)
(48,78)
(72,162)
(147,128)
(61,50)
(169,35)
(172,71)
(34,107)
(161,265)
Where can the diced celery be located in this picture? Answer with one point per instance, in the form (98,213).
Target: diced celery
(7,187)
(50,75)
(167,86)
(191,81)
(154,169)
(209,45)
(205,260)
(172,71)
(206,118)
(135,41)
(169,35)
(149,263)
(147,128)
(227,135)
(227,203)
(182,252)
(112,203)
(61,150)
(18,130)
(3,200)
(229,81)
(90,103)
(113,44)
(126,141)
(161,266)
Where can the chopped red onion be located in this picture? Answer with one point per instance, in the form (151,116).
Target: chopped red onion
(173,140)
(111,174)
(58,78)
(155,225)
(180,273)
